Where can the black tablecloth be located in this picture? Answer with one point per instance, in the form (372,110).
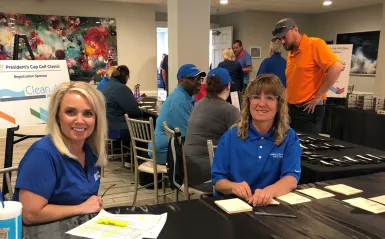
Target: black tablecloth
(314,173)
(359,127)
(324,218)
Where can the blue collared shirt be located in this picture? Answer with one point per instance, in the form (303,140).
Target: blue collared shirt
(276,65)
(176,111)
(104,81)
(256,160)
(59,179)
(245,61)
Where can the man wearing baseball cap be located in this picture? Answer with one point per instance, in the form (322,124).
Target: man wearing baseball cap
(177,108)
(312,69)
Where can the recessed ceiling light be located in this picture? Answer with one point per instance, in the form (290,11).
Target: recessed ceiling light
(224,1)
(327,3)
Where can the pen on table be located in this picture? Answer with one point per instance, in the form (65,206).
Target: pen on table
(108,189)
(274,215)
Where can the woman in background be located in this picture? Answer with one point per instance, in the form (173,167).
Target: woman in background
(59,176)
(259,158)
(211,117)
(235,70)
(106,78)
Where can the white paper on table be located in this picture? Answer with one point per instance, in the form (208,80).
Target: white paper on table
(235,99)
(234,205)
(316,193)
(344,189)
(380,199)
(293,198)
(274,202)
(139,226)
(366,204)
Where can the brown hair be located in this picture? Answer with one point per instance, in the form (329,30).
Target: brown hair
(267,83)
(214,86)
(120,73)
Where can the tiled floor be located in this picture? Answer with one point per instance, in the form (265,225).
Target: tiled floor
(119,195)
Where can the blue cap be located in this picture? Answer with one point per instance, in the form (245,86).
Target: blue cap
(189,70)
(222,73)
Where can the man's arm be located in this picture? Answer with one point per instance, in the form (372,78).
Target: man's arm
(248,69)
(331,77)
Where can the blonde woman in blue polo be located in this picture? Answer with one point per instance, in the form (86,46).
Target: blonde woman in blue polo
(259,158)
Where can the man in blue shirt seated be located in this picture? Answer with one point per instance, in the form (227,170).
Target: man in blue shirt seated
(260,157)
(275,64)
(177,108)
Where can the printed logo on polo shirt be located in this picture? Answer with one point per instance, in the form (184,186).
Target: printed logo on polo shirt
(4,233)
(97,176)
(276,155)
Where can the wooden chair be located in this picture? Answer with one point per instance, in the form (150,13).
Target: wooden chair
(211,148)
(185,188)
(143,131)
(7,175)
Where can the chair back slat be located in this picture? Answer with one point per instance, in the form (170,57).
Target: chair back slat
(7,172)
(211,148)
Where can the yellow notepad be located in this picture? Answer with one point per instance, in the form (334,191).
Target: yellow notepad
(344,189)
(293,198)
(380,199)
(316,193)
(366,204)
(234,205)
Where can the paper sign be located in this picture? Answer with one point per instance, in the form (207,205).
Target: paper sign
(293,198)
(235,99)
(366,204)
(234,205)
(316,193)
(343,189)
(380,199)
(25,88)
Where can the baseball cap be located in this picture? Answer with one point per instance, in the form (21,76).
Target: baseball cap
(222,73)
(283,26)
(189,70)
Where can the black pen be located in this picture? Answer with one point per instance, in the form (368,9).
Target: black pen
(274,215)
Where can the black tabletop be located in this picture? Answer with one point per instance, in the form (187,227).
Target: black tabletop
(314,173)
(324,218)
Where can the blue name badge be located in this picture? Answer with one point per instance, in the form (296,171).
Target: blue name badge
(11,228)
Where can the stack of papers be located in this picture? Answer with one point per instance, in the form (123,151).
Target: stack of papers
(234,205)
(316,193)
(344,189)
(139,226)
(293,198)
(366,205)
(380,199)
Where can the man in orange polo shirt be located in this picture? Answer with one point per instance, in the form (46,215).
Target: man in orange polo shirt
(312,69)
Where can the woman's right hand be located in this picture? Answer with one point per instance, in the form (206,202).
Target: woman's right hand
(242,190)
(92,205)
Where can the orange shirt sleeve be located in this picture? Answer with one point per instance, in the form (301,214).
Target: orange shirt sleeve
(323,55)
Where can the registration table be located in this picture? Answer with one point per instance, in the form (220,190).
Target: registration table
(323,218)
(318,172)
(358,126)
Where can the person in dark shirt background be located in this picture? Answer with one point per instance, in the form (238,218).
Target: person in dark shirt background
(165,71)
(275,64)
(235,70)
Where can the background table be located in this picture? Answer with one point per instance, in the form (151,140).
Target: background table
(324,218)
(359,127)
(314,173)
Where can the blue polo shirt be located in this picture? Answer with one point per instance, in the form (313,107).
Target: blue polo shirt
(256,160)
(176,111)
(59,179)
(276,65)
(104,81)
(245,61)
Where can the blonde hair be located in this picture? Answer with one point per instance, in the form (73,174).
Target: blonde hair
(110,70)
(276,45)
(267,83)
(228,54)
(98,137)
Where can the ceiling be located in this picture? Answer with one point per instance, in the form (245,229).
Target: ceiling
(292,6)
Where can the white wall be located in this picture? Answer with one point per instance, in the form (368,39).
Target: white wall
(327,25)
(254,28)
(136,33)
(136,30)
